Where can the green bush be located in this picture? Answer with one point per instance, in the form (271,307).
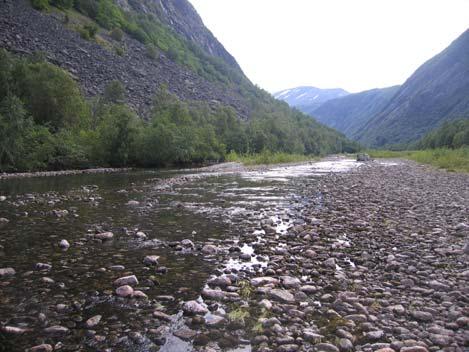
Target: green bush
(40,4)
(119,50)
(89,31)
(63,4)
(152,51)
(116,34)
(114,93)
(51,95)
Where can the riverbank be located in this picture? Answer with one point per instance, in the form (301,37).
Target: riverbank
(6,176)
(443,158)
(378,264)
(333,256)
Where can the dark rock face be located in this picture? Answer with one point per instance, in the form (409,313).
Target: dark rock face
(25,30)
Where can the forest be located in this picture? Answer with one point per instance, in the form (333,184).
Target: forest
(47,124)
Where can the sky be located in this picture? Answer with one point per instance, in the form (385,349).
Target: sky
(351,44)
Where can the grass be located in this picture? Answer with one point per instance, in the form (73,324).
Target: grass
(450,159)
(267,157)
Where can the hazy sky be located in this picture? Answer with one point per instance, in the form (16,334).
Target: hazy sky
(351,44)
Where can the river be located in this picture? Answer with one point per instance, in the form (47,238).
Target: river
(150,213)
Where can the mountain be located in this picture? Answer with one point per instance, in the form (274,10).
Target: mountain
(190,61)
(90,83)
(349,114)
(438,91)
(307,99)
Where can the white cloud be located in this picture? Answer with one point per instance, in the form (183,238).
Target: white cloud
(355,45)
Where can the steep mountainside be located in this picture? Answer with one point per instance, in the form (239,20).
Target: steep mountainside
(350,113)
(436,92)
(307,99)
(87,83)
(181,16)
(25,30)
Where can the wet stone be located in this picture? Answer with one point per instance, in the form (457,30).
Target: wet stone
(104,236)
(56,330)
(193,307)
(185,334)
(64,244)
(7,272)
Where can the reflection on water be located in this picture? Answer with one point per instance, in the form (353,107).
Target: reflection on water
(212,209)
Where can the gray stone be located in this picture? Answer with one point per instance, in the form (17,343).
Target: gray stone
(193,307)
(325,347)
(421,316)
(345,345)
(124,291)
(290,282)
(283,296)
(130,280)
(265,280)
(185,334)
(104,236)
(64,244)
(209,249)
(42,348)
(7,272)
(93,321)
(162,316)
(56,330)
(151,260)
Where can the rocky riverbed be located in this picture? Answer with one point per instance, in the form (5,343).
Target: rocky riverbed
(331,256)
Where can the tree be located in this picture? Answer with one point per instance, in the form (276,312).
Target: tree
(51,95)
(13,127)
(114,93)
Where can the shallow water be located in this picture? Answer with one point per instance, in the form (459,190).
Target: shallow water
(215,208)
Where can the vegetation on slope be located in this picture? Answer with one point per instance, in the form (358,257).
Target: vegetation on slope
(149,30)
(46,123)
(446,147)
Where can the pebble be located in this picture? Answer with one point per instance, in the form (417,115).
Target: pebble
(151,260)
(104,236)
(7,272)
(41,348)
(124,291)
(64,244)
(130,280)
(93,321)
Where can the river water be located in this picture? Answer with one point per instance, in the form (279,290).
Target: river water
(149,212)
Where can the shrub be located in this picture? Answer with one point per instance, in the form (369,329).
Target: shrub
(119,50)
(51,95)
(152,51)
(63,4)
(116,34)
(40,4)
(114,93)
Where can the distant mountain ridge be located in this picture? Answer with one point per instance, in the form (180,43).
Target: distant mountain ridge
(438,91)
(308,98)
(351,113)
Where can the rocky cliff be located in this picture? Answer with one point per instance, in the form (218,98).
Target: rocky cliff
(25,31)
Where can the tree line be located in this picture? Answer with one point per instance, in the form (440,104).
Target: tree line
(46,123)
